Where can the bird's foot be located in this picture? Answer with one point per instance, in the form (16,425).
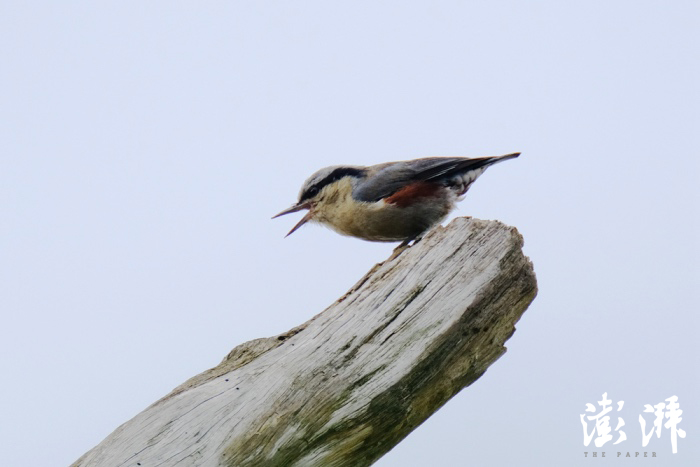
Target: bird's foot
(404,245)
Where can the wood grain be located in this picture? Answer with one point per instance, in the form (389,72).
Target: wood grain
(345,387)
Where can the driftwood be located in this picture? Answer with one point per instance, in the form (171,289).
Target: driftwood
(345,387)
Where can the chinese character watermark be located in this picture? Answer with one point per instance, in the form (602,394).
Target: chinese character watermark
(673,413)
(602,431)
(602,423)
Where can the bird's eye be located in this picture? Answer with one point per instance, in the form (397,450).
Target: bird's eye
(313,191)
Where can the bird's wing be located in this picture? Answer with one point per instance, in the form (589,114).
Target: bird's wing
(394,176)
(384,181)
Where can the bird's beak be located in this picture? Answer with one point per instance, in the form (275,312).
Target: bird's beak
(295,208)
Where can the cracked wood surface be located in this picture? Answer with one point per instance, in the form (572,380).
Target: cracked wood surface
(345,387)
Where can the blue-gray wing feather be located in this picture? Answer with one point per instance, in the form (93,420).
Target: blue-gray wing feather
(395,175)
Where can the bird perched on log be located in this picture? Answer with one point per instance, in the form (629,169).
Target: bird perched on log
(390,202)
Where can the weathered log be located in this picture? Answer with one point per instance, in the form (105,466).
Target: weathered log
(345,387)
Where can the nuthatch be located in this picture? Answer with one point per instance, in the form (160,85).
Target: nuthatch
(395,201)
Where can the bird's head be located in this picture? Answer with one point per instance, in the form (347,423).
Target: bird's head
(322,190)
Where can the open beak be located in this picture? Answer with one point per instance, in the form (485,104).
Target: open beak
(295,208)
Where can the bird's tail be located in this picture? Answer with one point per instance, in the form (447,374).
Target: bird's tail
(479,163)
(445,168)
(497,159)
(467,171)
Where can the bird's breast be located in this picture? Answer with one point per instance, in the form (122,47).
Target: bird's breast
(404,215)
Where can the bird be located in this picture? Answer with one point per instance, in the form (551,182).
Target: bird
(389,202)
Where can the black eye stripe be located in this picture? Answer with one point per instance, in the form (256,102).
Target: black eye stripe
(336,175)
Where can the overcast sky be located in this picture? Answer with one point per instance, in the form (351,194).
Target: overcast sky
(145,145)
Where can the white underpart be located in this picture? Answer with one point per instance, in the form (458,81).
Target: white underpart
(463,181)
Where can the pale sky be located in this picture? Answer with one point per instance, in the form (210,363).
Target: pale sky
(145,146)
